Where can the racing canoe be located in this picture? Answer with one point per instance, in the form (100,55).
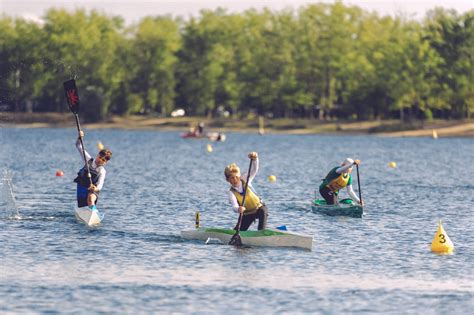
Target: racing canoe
(268,237)
(345,207)
(89,217)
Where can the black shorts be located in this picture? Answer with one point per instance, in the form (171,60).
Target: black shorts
(82,194)
(261,215)
(329,195)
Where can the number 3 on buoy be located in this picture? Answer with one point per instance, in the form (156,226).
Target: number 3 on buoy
(441,242)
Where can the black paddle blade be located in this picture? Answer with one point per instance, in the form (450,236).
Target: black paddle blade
(72,95)
(235,240)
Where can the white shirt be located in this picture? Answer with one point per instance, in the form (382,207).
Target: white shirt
(239,188)
(99,169)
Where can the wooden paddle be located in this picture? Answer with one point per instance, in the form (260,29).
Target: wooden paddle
(236,240)
(358,183)
(73,102)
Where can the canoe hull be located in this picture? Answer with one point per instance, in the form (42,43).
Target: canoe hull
(88,217)
(348,210)
(212,136)
(267,237)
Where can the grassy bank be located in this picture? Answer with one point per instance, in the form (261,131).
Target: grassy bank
(293,126)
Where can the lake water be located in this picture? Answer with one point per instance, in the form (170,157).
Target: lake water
(137,263)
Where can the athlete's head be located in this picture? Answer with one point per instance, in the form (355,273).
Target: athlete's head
(103,156)
(348,161)
(232,173)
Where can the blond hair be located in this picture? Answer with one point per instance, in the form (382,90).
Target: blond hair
(231,169)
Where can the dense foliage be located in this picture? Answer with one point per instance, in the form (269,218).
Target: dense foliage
(324,60)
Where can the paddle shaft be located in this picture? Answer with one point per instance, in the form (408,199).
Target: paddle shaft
(83,148)
(243,198)
(73,102)
(358,183)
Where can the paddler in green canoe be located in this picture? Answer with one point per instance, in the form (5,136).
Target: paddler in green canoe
(338,178)
(253,208)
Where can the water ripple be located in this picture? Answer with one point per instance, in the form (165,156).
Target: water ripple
(136,262)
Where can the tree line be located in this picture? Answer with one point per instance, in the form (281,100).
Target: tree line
(319,61)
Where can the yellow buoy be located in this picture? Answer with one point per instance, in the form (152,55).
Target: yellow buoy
(441,242)
(197,219)
(435,134)
(100,146)
(272,178)
(209,148)
(392,164)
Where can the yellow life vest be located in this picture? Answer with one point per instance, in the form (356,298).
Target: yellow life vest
(339,182)
(252,201)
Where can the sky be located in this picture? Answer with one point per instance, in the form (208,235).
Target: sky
(133,10)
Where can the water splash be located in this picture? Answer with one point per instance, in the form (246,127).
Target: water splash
(8,197)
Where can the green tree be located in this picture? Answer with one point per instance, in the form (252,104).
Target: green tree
(153,61)
(83,45)
(20,63)
(452,36)
(206,76)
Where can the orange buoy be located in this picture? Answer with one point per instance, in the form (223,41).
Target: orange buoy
(59,173)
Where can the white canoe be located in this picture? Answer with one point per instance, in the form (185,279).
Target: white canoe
(268,237)
(89,217)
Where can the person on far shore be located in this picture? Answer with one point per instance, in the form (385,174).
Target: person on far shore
(253,208)
(338,178)
(87,193)
(200,129)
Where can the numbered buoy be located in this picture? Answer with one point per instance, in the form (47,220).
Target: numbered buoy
(435,134)
(59,173)
(100,146)
(272,178)
(209,148)
(441,242)
(392,164)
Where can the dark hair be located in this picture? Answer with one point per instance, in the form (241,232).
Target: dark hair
(105,153)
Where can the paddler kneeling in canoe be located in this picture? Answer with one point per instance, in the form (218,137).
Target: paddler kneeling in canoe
(253,208)
(87,192)
(338,178)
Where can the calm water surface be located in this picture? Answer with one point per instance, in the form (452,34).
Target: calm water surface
(136,262)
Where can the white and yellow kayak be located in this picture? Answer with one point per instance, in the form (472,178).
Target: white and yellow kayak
(88,216)
(268,237)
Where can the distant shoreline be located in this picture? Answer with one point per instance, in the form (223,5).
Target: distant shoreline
(389,128)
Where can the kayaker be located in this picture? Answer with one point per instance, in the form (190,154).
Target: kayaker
(200,129)
(87,193)
(338,178)
(253,208)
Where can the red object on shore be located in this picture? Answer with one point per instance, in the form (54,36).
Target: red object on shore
(59,173)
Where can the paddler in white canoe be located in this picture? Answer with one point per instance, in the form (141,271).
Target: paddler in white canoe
(253,208)
(88,188)
(338,178)
(250,208)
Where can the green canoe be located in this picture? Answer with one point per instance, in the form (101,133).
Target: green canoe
(346,207)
